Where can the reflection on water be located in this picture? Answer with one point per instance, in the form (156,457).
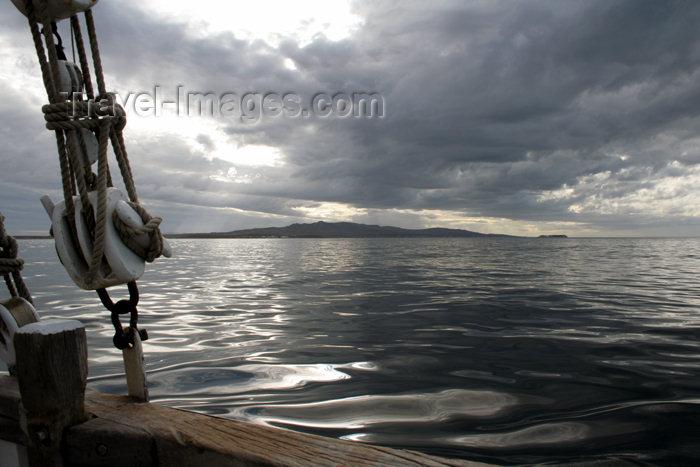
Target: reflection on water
(504,350)
(213,381)
(361,411)
(545,434)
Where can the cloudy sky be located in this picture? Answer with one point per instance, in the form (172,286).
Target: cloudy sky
(531,117)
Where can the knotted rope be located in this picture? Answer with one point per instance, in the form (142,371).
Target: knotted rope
(150,228)
(69,116)
(11,265)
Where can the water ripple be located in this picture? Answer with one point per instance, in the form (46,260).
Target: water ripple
(513,351)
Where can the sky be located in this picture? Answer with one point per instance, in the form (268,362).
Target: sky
(533,117)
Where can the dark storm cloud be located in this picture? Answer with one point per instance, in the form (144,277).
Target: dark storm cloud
(497,109)
(489,105)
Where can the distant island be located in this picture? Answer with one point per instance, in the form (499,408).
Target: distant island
(337,230)
(554,236)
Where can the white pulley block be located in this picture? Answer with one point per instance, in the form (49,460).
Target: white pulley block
(58,9)
(91,144)
(76,253)
(71,79)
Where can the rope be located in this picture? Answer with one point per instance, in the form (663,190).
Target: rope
(68,116)
(97,61)
(50,45)
(84,67)
(150,228)
(99,241)
(11,265)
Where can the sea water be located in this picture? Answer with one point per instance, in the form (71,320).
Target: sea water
(505,350)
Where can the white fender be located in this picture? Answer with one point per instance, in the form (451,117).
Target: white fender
(14,313)
(59,9)
(75,253)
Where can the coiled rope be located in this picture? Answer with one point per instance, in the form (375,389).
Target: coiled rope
(11,265)
(67,116)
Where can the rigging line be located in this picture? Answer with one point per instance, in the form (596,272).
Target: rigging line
(11,265)
(72,41)
(69,117)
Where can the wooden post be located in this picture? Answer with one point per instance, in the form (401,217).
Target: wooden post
(136,383)
(51,374)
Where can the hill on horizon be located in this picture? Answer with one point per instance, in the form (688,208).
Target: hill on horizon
(323,229)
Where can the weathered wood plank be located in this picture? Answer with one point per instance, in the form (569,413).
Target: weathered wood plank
(51,374)
(9,397)
(10,429)
(52,368)
(99,442)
